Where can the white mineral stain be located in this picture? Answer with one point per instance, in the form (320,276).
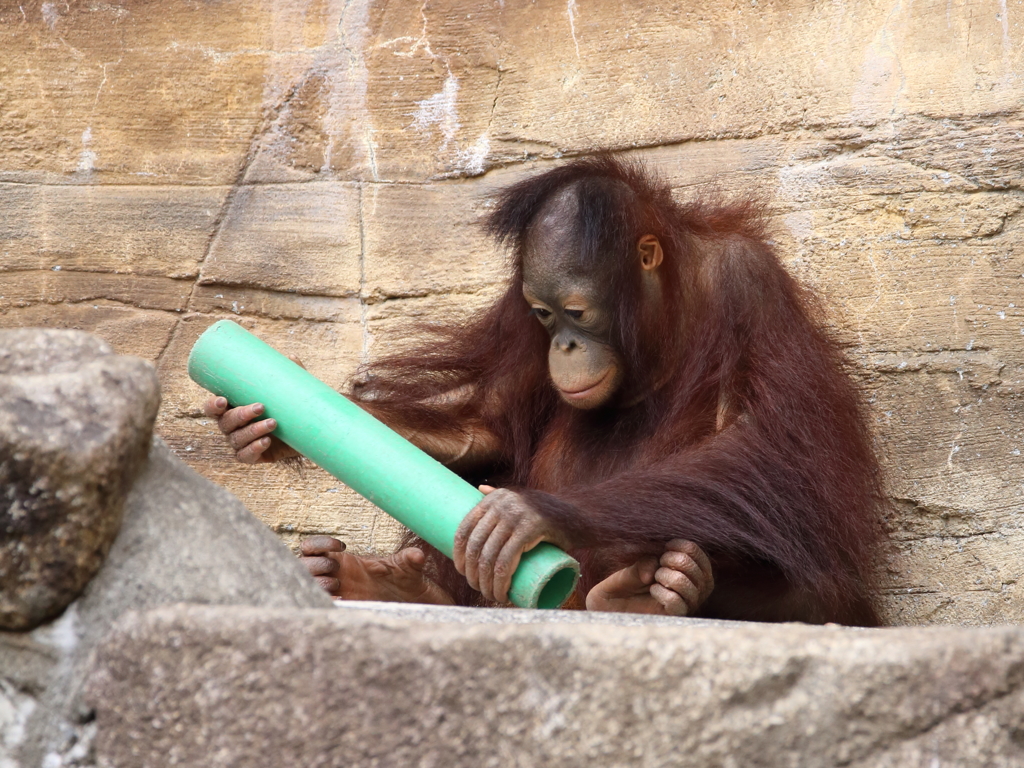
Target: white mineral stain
(1005,21)
(86,158)
(440,110)
(349,121)
(571,12)
(471,161)
(50,14)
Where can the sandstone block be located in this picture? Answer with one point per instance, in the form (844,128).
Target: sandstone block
(275,305)
(75,421)
(949,579)
(29,287)
(160,231)
(428,239)
(300,237)
(393,324)
(459,88)
(194,686)
(144,333)
(126,92)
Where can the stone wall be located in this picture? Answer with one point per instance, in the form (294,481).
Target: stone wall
(316,170)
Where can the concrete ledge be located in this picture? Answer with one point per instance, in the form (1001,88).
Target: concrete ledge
(447,614)
(373,685)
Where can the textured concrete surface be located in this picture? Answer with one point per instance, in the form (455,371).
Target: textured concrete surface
(317,169)
(183,539)
(75,426)
(195,686)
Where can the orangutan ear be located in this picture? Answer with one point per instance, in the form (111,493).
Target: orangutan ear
(650,252)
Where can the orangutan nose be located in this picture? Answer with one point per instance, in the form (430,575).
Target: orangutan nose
(569,344)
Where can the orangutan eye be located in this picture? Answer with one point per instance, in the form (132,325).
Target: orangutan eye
(540,312)
(575,314)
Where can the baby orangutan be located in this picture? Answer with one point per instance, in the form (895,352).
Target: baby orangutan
(653,394)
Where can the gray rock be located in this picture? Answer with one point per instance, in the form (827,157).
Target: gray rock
(75,423)
(365,686)
(453,614)
(184,539)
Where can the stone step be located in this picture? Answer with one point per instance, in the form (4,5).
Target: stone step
(373,684)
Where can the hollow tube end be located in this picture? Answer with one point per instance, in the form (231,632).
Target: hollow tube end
(545,578)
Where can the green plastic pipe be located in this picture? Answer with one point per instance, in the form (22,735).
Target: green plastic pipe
(376,462)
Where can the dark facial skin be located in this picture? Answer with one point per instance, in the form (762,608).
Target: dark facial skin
(575,307)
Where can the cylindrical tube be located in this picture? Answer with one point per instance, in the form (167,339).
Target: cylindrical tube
(362,452)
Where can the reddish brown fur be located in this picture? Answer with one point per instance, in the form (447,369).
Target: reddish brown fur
(752,441)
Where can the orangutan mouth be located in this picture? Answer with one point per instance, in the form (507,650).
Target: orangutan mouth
(581,394)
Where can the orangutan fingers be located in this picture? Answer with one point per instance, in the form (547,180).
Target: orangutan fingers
(475,546)
(462,534)
(491,563)
(644,570)
(693,550)
(329,584)
(685,564)
(321,566)
(320,545)
(240,438)
(411,559)
(377,567)
(253,452)
(214,407)
(705,565)
(686,556)
(670,600)
(680,584)
(239,417)
(633,580)
(505,566)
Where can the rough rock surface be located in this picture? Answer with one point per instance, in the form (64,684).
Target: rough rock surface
(194,686)
(75,426)
(183,539)
(318,169)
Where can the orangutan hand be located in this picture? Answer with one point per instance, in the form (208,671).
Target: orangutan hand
(322,557)
(251,442)
(492,538)
(397,578)
(676,585)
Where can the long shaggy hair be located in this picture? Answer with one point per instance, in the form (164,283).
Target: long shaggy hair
(751,441)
